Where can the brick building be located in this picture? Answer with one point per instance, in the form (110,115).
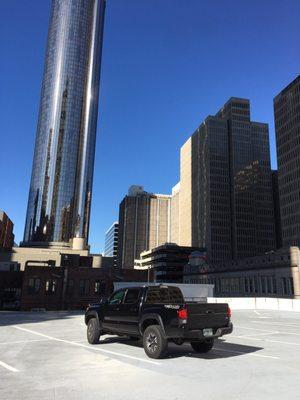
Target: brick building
(6,231)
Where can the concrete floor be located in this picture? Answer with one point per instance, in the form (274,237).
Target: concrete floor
(46,356)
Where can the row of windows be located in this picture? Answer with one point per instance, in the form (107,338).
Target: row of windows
(86,287)
(250,285)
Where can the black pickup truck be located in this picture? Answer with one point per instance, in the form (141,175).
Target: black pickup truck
(158,314)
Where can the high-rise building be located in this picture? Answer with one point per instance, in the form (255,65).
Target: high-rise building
(62,174)
(111,242)
(175,222)
(277,213)
(287,125)
(205,211)
(226,199)
(6,231)
(144,223)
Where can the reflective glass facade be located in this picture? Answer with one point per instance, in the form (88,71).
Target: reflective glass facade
(287,125)
(62,173)
(111,242)
(226,196)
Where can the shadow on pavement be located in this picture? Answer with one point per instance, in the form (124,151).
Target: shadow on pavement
(17,318)
(221,349)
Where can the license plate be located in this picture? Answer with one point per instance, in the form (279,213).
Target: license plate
(207,332)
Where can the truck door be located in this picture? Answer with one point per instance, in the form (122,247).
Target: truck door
(112,312)
(129,311)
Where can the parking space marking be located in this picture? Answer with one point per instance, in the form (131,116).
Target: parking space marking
(278,341)
(277,323)
(87,347)
(256,329)
(258,334)
(26,341)
(265,340)
(247,354)
(9,367)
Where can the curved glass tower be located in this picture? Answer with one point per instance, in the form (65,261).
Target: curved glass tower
(62,173)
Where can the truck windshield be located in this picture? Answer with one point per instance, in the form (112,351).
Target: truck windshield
(168,295)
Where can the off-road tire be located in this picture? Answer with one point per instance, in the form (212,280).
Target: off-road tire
(154,342)
(93,331)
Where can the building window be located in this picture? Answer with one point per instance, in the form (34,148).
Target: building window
(51,286)
(291,282)
(84,287)
(34,285)
(97,289)
(263,284)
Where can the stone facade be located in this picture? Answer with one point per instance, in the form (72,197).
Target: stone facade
(276,274)
(144,223)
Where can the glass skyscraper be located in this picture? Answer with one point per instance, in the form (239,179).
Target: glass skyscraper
(62,173)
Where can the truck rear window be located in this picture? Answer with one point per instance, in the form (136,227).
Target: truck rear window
(169,295)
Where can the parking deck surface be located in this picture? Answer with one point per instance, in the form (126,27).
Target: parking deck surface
(46,356)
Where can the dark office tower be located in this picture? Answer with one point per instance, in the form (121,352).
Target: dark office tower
(287,125)
(226,199)
(111,242)
(253,228)
(277,216)
(205,213)
(62,173)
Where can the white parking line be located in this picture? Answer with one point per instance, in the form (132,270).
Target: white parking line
(265,340)
(255,329)
(26,341)
(256,312)
(277,323)
(87,347)
(245,353)
(9,367)
(259,334)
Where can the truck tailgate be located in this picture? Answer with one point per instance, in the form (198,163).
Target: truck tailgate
(206,315)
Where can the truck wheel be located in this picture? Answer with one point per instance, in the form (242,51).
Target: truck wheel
(154,342)
(93,331)
(203,347)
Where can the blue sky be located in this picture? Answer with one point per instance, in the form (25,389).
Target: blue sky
(167,64)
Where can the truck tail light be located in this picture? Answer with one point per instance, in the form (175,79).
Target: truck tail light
(182,315)
(229,313)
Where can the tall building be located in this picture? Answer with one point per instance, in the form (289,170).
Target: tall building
(111,242)
(144,223)
(205,210)
(277,213)
(226,199)
(6,232)
(287,126)
(175,222)
(62,174)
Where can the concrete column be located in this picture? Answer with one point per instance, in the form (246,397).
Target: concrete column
(295,269)
(78,243)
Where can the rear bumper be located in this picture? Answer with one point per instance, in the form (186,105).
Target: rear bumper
(198,334)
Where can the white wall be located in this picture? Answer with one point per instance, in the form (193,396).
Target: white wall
(258,303)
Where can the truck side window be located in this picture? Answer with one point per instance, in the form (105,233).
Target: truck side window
(132,296)
(168,295)
(117,297)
